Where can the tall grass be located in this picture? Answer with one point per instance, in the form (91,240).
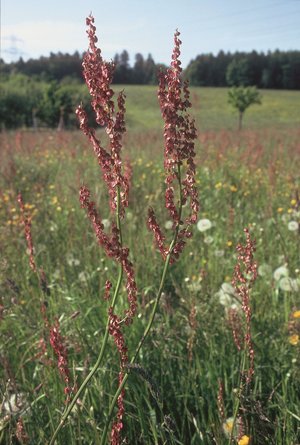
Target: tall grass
(183,385)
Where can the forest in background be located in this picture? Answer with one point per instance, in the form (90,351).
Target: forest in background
(276,70)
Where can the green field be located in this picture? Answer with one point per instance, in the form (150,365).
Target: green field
(211,110)
(245,179)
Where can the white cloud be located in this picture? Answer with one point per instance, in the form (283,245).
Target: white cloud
(33,39)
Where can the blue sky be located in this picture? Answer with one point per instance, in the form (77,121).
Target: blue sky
(32,28)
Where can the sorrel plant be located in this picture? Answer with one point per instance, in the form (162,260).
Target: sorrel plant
(181,202)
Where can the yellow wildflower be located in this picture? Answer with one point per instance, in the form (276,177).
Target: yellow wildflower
(245,440)
(229,243)
(293,202)
(54,200)
(233,188)
(294,339)
(280,210)
(296,314)
(29,206)
(218,185)
(227,426)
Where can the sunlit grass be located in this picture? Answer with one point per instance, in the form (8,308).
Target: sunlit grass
(247,179)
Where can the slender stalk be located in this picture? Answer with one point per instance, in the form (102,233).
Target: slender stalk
(151,320)
(237,405)
(69,408)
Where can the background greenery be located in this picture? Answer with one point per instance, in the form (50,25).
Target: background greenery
(45,91)
(248,178)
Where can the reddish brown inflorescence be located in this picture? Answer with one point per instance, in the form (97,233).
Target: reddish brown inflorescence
(21,433)
(60,350)
(116,332)
(98,76)
(245,273)
(113,249)
(179,135)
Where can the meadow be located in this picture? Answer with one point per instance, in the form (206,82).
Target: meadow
(185,386)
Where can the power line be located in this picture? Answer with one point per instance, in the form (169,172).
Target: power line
(239,13)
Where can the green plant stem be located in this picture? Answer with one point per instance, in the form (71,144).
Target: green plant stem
(69,408)
(237,405)
(151,320)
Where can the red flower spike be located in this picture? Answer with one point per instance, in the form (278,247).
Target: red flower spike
(245,273)
(179,135)
(58,346)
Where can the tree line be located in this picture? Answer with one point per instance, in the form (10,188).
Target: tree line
(58,66)
(276,70)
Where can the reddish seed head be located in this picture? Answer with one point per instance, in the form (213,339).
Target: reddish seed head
(116,332)
(245,273)
(58,345)
(179,134)
(21,433)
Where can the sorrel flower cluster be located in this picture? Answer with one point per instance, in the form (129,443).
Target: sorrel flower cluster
(179,135)
(115,331)
(58,345)
(21,433)
(98,76)
(113,248)
(245,273)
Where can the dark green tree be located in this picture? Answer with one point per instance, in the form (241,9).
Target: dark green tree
(139,69)
(237,73)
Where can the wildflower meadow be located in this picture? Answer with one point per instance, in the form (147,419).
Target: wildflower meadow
(150,268)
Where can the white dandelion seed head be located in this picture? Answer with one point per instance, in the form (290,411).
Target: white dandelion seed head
(224,298)
(287,284)
(168,225)
(228,289)
(204,224)
(106,223)
(280,272)
(293,226)
(208,240)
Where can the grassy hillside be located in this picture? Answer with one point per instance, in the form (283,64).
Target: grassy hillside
(211,110)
